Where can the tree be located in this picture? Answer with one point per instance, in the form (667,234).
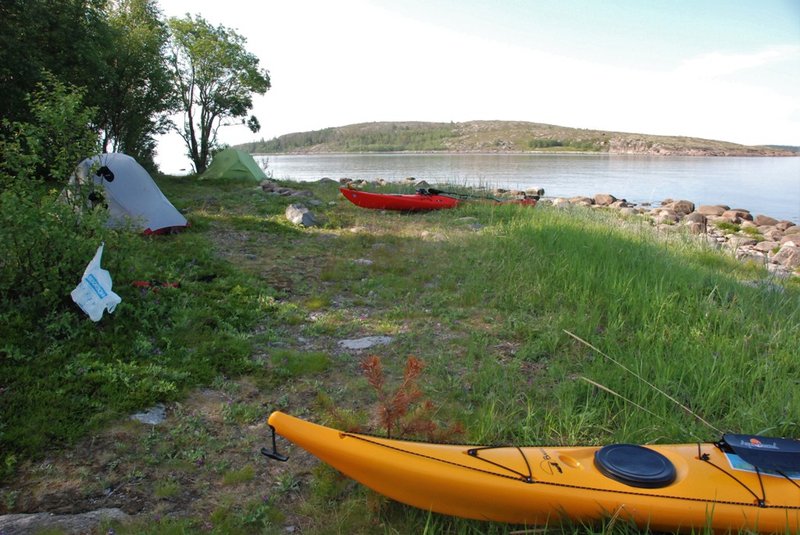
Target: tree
(215,77)
(114,49)
(135,87)
(62,37)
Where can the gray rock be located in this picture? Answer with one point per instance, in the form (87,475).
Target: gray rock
(269,186)
(788,257)
(741,241)
(792,231)
(583,201)
(711,210)
(762,220)
(748,253)
(771,233)
(766,246)
(697,228)
(604,199)
(737,216)
(681,207)
(366,342)
(666,215)
(301,193)
(300,215)
(23,524)
(778,270)
(696,217)
(153,416)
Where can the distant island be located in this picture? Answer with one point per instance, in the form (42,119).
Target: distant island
(497,136)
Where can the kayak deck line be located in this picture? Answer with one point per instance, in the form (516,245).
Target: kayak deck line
(529,479)
(519,476)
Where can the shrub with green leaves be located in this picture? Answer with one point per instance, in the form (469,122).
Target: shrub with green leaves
(43,241)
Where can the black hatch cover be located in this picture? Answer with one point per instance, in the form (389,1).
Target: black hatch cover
(634,465)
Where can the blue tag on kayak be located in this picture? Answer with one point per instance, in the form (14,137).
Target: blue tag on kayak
(776,455)
(737,463)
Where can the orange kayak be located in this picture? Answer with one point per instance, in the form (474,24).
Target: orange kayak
(662,487)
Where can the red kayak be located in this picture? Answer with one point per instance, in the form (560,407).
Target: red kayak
(412,202)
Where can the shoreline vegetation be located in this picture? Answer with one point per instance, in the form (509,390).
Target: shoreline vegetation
(751,237)
(497,137)
(270,315)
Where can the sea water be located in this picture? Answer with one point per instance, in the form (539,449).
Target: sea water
(762,185)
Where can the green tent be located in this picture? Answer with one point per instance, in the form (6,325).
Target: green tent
(232,163)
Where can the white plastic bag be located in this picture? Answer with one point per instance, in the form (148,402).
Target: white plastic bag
(94,294)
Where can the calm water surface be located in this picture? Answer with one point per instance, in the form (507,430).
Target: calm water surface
(769,186)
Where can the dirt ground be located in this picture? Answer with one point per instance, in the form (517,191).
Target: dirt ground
(204,462)
(205,457)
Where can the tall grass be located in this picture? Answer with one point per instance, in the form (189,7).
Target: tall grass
(725,349)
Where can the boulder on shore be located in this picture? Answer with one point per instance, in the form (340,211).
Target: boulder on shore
(681,207)
(604,199)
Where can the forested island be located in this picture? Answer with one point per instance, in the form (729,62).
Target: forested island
(497,136)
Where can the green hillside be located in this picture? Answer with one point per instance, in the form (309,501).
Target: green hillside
(495,136)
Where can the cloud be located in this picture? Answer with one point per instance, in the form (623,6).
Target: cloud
(716,64)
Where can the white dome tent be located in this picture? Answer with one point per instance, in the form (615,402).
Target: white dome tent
(130,193)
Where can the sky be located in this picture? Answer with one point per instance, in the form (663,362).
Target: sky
(716,69)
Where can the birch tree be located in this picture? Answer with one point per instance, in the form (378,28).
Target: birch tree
(215,78)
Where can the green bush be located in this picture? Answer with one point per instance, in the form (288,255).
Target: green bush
(43,240)
(45,243)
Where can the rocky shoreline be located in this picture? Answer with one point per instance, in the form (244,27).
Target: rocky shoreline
(773,243)
(762,239)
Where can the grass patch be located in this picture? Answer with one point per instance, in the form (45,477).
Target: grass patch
(236,477)
(290,363)
(167,489)
(728,227)
(753,232)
